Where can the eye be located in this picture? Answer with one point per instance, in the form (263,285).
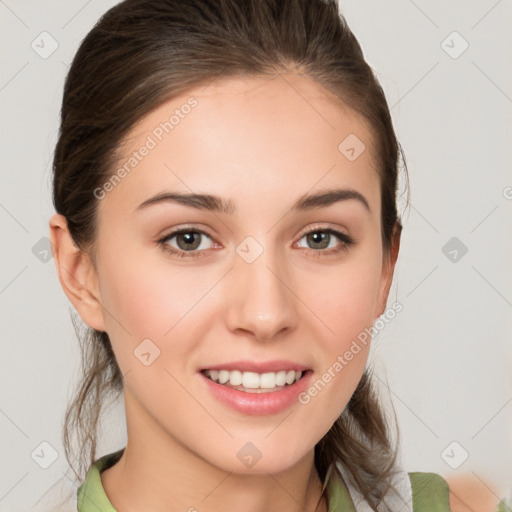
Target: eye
(189,243)
(325,240)
(188,240)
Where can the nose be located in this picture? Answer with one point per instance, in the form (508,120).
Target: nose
(261,303)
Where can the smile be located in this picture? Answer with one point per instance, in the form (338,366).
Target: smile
(252,382)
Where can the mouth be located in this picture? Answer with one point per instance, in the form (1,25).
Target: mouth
(253,382)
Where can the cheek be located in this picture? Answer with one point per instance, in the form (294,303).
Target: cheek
(145,301)
(346,298)
(149,293)
(344,301)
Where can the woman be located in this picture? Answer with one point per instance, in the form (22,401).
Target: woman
(225,185)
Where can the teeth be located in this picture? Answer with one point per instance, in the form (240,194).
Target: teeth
(254,381)
(250,380)
(235,378)
(269,380)
(280,378)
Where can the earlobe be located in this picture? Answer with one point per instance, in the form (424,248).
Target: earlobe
(388,268)
(77,274)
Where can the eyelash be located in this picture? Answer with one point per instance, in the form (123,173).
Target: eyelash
(346,242)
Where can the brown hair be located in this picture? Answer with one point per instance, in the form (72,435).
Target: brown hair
(144,52)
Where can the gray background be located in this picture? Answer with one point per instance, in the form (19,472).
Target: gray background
(446,357)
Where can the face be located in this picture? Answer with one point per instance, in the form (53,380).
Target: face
(274,283)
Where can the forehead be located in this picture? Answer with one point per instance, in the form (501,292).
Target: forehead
(282,134)
(295,102)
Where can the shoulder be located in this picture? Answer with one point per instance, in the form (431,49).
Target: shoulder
(503,507)
(408,492)
(430,492)
(91,495)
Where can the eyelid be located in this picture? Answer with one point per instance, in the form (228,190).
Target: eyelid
(184,229)
(323,227)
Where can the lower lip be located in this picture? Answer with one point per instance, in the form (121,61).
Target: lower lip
(259,404)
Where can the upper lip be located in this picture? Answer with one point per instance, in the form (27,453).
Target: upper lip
(258,367)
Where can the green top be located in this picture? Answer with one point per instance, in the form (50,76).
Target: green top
(430,492)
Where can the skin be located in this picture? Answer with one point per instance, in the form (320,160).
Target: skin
(261,142)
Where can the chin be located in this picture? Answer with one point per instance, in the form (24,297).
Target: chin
(251,460)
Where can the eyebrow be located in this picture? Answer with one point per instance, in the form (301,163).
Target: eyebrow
(321,199)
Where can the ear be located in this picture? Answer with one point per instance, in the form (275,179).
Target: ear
(77,274)
(388,267)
